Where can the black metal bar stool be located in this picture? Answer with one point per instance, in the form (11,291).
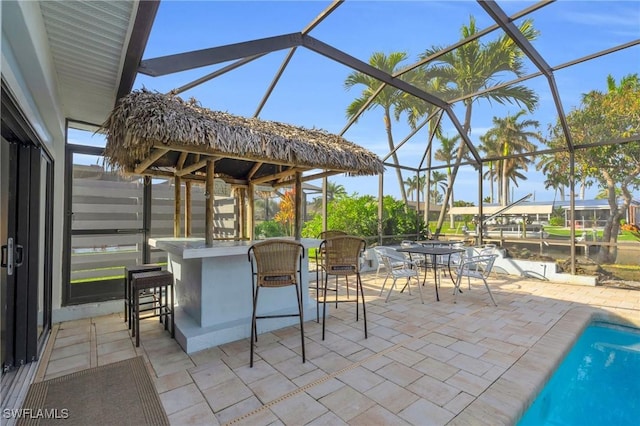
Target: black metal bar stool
(276,263)
(342,258)
(128,294)
(161,283)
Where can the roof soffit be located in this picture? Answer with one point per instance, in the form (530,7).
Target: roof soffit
(88,43)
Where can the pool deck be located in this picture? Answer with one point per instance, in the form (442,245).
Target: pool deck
(436,363)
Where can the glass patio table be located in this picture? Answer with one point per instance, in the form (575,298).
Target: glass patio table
(434,252)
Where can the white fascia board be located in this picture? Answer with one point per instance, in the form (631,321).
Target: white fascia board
(28,69)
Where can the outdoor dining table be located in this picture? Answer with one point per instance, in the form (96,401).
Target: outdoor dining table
(441,243)
(434,252)
(434,243)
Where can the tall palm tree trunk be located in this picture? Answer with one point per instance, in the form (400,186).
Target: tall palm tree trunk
(387,125)
(427,184)
(504,181)
(452,222)
(491,179)
(454,171)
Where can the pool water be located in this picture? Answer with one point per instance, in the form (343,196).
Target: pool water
(598,383)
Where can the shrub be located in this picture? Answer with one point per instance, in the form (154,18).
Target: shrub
(270,228)
(556,221)
(358,215)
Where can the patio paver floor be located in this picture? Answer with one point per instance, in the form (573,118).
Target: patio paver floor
(434,363)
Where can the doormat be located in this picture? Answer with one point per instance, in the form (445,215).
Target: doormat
(121,393)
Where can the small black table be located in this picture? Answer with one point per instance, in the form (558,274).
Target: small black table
(434,243)
(434,252)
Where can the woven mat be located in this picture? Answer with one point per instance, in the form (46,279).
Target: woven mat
(121,393)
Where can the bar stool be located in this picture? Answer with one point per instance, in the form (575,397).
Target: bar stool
(342,258)
(161,282)
(320,267)
(276,263)
(128,295)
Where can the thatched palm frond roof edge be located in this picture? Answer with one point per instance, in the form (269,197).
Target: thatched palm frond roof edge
(144,119)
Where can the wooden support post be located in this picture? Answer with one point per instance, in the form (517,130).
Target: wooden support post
(250,210)
(241,195)
(187,208)
(299,211)
(209,199)
(325,184)
(176,209)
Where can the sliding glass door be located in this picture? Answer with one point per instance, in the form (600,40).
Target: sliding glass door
(26,184)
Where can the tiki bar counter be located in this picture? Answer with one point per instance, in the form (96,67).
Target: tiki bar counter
(214,292)
(164,137)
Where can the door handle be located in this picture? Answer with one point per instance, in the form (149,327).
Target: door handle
(7,256)
(19,255)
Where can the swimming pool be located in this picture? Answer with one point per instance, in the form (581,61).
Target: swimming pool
(598,383)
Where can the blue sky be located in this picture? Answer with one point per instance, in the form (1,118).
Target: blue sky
(311,92)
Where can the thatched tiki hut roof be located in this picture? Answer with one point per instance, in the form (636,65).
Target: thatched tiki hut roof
(162,135)
(147,133)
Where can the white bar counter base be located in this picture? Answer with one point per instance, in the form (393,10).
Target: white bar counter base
(214,292)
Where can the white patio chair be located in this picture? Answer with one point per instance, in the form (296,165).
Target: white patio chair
(404,268)
(449,263)
(478,267)
(380,252)
(486,249)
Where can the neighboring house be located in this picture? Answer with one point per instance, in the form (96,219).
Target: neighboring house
(534,211)
(589,213)
(593,213)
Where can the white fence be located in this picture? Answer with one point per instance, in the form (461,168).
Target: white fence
(112,203)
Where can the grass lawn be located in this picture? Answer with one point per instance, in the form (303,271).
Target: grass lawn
(623,272)
(559,231)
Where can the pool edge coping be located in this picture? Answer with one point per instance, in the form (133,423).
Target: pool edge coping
(506,400)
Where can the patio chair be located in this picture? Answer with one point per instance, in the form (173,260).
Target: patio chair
(398,267)
(380,252)
(342,258)
(478,267)
(486,249)
(320,266)
(420,262)
(454,259)
(276,264)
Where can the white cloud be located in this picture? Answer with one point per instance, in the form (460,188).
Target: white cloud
(614,19)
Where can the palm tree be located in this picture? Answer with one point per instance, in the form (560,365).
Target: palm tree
(446,153)
(490,147)
(412,186)
(474,67)
(439,180)
(388,98)
(334,191)
(511,136)
(422,186)
(416,109)
(556,172)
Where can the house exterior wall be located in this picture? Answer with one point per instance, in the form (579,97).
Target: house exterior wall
(28,71)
